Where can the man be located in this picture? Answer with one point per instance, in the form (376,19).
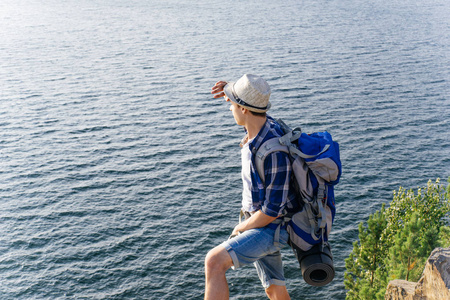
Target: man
(263,203)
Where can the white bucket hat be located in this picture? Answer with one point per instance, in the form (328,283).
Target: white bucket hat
(251,92)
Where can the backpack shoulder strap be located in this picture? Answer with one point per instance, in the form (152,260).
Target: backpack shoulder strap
(268,147)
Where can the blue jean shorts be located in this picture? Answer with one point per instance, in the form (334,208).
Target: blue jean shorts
(257,246)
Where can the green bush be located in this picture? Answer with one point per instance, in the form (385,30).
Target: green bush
(396,241)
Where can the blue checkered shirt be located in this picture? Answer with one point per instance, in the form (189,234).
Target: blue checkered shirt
(276,196)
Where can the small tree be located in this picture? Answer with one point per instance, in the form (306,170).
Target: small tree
(444,236)
(366,259)
(398,240)
(432,205)
(411,248)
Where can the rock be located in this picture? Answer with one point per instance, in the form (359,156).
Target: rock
(435,280)
(400,289)
(433,285)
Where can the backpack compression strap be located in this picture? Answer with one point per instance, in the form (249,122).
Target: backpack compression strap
(294,135)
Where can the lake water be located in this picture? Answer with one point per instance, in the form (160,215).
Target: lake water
(118,171)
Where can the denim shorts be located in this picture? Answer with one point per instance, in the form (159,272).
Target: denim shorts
(257,246)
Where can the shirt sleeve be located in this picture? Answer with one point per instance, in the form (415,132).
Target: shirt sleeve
(277,171)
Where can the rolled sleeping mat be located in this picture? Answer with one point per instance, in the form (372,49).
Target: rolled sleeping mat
(316,264)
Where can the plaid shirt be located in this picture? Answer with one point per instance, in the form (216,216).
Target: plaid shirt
(277,196)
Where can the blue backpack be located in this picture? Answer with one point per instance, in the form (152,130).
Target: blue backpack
(317,168)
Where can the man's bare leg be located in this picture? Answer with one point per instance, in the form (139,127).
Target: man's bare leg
(277,292)
(217,262)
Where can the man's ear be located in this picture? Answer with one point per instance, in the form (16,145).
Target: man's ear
(244,110)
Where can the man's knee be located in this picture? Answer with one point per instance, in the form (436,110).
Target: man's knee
(218,259)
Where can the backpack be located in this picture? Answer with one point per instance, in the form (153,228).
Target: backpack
(317,168)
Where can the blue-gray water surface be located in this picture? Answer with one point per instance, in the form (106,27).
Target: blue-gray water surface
(118,171)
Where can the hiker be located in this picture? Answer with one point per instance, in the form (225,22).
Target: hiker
(263,204)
